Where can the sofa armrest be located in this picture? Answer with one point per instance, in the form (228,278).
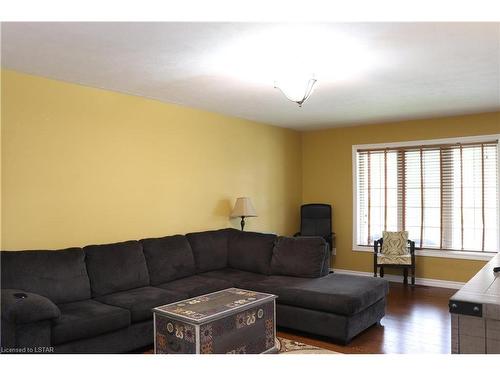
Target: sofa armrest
(20,307)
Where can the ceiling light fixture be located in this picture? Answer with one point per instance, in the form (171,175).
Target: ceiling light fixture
(294,90)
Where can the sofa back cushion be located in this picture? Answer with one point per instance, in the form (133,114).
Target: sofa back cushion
(116,267)
(59,275)
(209,249)
(300,257)
(251,251)
(168,258)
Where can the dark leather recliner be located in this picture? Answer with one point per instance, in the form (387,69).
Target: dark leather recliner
(316,220)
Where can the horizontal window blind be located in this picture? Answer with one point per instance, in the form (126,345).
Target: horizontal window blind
(444,195)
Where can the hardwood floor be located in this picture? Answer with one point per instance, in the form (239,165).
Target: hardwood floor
(416,321)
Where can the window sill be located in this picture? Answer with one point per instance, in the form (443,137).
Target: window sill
(470,255)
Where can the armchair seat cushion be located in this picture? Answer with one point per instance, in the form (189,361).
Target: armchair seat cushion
(84,319)
(31,309)
(393,259)
(196,285)
(140,301)
(334,293)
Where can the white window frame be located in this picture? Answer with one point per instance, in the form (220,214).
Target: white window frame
(457,254)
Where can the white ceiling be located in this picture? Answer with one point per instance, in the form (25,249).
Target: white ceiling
(367,72)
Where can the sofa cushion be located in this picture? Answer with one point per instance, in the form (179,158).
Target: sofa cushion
(394,259)
(299,256)
(140,301)
(237,278)
(251,251)
(168,258)
(335,293)
(84,319)
(196,285)
(209,249)
(270,284)
(59,275)
(116,267)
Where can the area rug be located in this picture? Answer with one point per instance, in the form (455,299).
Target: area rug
(286,346)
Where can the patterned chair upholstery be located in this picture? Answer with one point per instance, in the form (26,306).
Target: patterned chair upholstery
(395,250)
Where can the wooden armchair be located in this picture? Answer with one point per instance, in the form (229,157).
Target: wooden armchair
(403,261)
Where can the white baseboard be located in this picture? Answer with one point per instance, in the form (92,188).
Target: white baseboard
(399,279)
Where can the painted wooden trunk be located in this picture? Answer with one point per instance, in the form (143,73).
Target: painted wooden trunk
(229,321)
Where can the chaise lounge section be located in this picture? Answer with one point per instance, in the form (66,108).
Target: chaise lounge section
(98,299)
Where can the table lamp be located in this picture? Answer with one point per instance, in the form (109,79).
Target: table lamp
(243,208)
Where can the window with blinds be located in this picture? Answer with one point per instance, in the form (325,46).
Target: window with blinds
(445,196)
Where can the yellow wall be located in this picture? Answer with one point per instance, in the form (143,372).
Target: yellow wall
(327,177)
(82,165)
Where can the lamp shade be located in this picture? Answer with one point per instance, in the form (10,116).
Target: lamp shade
(243,207)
